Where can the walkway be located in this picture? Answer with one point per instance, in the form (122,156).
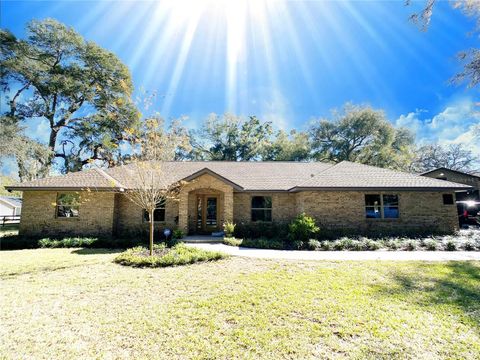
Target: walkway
(341,255)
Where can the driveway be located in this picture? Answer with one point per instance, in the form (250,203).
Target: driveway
(341,255)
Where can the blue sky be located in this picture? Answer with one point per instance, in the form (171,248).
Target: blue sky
(284,61)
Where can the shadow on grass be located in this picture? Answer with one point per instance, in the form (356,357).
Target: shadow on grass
(456,285)
(96,251)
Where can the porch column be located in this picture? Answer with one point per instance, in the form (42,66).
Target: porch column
(183,212)
(228,205)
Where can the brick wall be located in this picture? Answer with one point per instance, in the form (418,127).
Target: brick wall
(96,214)
(129,216)
(102,213)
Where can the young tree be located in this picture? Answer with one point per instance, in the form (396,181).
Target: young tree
(360,134)
(231,138)
(152,146)
(80,89)
(455,157)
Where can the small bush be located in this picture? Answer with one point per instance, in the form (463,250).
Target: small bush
(327,245)
(469,246)
(302,228)
(344,243)
(229,228)
(263,243)
(392,244)
(180,254)
(430,244)
(314,244)
(178,234)
(67,242)
(410,245)
(232,241)
(450,245)
(369,244)
(260,229)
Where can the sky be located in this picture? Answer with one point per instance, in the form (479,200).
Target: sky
(288,62)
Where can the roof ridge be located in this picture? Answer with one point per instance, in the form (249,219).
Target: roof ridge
(109,177)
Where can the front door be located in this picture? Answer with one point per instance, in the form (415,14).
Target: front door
(207,213)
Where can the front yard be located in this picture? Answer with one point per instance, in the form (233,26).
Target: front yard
(64,303)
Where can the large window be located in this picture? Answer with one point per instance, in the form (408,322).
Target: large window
(158,214)
(67,205)
(261,208)
(381,206)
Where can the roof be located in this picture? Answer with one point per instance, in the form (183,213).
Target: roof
(249,176)
(12,201)
(474,174)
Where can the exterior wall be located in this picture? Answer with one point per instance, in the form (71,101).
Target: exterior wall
(6,209)
(419,211)
(455,177)
(96,214)
(104,213)
(129,217)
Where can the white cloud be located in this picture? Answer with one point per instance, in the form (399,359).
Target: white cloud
(276,110)
(454,125)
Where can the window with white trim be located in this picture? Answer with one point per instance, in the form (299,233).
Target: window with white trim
(261,208)
(381,206)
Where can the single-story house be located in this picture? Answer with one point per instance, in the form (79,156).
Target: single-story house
(339,196)
(468,201)
(10,206)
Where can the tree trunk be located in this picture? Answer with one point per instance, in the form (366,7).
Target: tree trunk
(151,232)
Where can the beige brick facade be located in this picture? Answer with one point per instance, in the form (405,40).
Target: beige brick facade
(107,213)
(96,215)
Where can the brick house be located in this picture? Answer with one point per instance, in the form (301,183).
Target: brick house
(340,196)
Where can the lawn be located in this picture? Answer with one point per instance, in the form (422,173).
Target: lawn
(64,303)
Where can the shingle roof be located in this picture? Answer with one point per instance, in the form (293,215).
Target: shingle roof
(353,175)
(252,176)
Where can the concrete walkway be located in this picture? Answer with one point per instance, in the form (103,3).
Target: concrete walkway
(342,255)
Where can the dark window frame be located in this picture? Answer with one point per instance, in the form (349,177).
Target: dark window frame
(62,209)
(264,209)
(161,205)
(381,206)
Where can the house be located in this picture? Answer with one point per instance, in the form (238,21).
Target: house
(10,206)
(468,201)
(347,196)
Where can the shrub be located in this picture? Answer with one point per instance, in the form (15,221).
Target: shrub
(229,228)
(302,228)
(392,244)
(450,245)
(469,245)
(263,243)
(314,244)
(232,241)
(178,234)
(15,242)
(369,244)
(327,245)
(344,243)
(410,245)
(67,242)
(180,254)
(430,244)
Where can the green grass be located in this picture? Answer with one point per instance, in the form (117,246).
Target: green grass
(59,303)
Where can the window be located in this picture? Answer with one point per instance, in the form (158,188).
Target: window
(158,214)
(261,208)
(381,206)
(448,199)
(67,205)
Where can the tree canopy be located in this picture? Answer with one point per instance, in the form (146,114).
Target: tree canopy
(80,89)
(361,134)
